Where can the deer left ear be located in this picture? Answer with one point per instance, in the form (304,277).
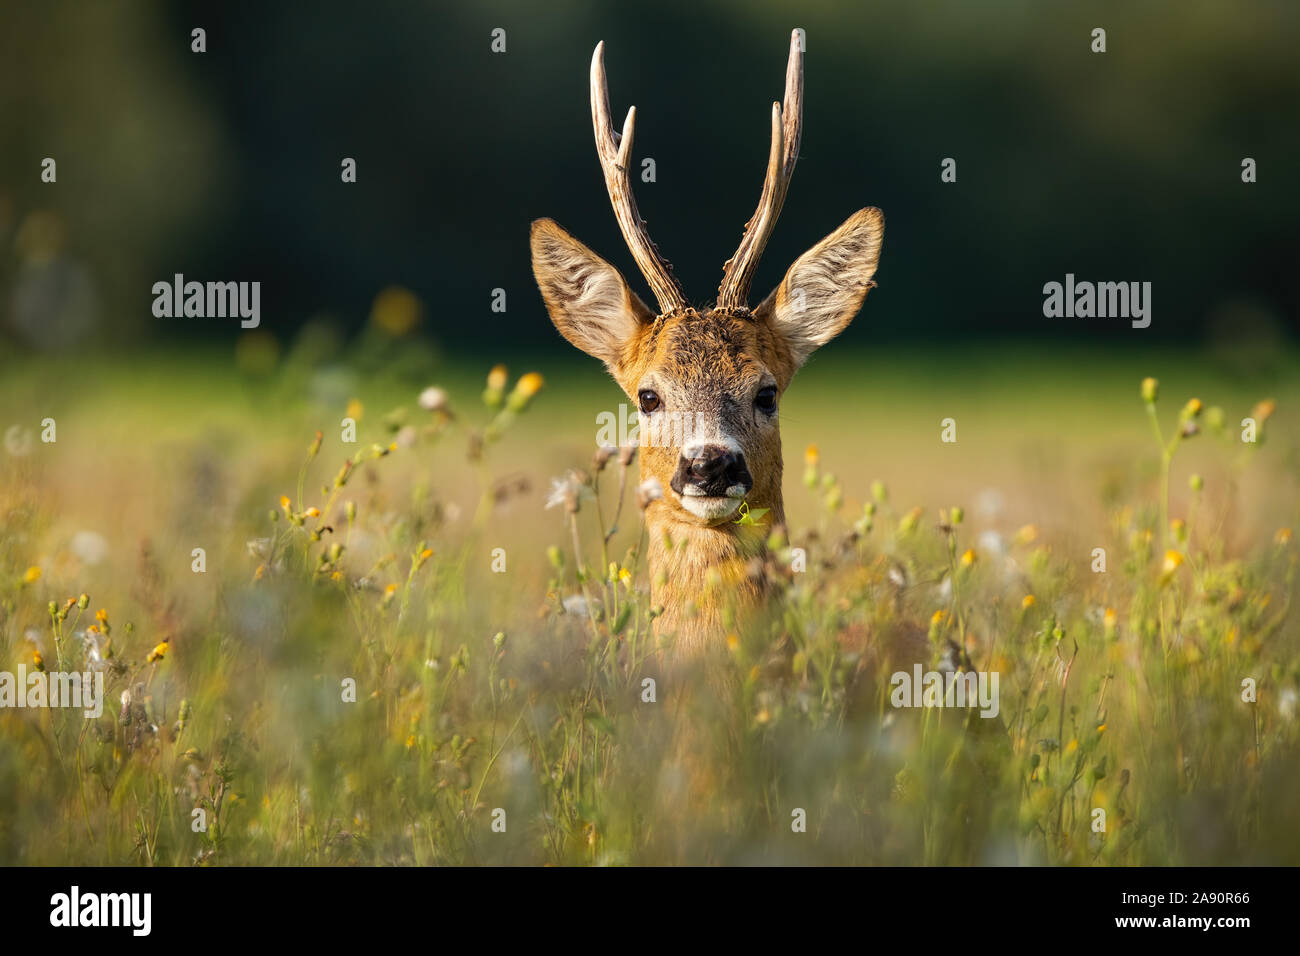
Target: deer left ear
(825,287)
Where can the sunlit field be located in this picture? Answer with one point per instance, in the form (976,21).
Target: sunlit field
(392,651)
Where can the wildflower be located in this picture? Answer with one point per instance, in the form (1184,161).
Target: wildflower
(38,660)
(83,601)
(32,575)
(1263,410)
(576,604)
(910,520)
(625,576)
(626,454)
(1027,535)
(158,653)
(733,642)
(1283,537)
(285,503)
(312,512)
(433,399)
(1028,601)
(1108,621)
(1192,409)
(968,558)
(525,389)
(648,491)
(496,383)
(811,456)
(89,547)
(1178,527)
(355,409)
(1173,560)
(1150,389)
(601,458)
(567,491)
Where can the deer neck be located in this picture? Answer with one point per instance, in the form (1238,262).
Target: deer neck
(697,572)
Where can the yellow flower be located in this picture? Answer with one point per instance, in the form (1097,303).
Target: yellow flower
(496,379)
(910,521)
(157,654)
(1108,619)
(811,456)
(38,660)
(530,384)
(1263,410)
(1028,601)
(1150,389)
(968,558)
(1283,536)
(733,642)
(285,503)
(101,615)
(1027,534)
(355,409)
(938,616)
(312,512)
(1173,560)
(32,576)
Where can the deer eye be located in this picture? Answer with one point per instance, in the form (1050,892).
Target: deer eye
(765,400)
(649,400)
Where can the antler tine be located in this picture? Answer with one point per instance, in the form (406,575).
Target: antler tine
(615,154)
(787,129)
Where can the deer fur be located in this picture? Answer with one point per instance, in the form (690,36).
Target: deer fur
(707,366)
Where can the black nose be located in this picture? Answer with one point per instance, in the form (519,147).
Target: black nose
(714,470)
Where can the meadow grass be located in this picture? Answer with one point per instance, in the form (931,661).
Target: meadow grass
(499,649)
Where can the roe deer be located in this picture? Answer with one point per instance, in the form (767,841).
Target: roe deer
(723,367)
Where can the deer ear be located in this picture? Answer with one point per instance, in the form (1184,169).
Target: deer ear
(588,299)
(825,287)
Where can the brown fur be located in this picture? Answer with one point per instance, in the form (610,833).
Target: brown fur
(707,365)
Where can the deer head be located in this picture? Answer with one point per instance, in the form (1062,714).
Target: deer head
(708,382)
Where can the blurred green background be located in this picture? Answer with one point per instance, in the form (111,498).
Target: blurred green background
(225,165)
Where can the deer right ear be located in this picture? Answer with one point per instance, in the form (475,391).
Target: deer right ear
(588,299)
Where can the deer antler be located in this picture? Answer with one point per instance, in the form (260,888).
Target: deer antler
(787,127)
(615,154)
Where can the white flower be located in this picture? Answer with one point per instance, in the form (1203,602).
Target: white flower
(567,491)
(89,547)
(433,399)
(648,491)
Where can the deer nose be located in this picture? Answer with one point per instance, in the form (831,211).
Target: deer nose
(713,471)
